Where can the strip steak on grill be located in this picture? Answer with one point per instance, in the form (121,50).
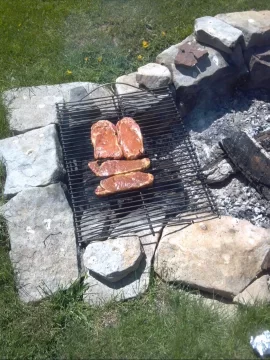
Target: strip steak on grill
(130,138)
(114,167)
(104,140)
(124,182)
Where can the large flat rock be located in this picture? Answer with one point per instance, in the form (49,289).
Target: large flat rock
(208,69)
(113,259)
(217,33)
(34,107)
(220,255)
(43,245)
(136,282)
(255,26)
(32,159)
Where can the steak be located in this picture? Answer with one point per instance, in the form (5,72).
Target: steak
(104,140)
(114,167)
(124,182)
(130,138)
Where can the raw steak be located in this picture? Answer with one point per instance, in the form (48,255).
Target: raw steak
(130,138)
(114,167)
(124,182)
(104,140)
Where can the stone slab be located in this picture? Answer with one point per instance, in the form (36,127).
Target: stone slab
(32,159)
(211,67)
(255,26)
(43,245)
(33,107)
(135,283)
(217,33)
(113,259)
(220,256)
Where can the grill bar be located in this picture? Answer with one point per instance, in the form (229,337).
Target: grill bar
(178,187)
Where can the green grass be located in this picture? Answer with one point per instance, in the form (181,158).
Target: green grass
(97,41)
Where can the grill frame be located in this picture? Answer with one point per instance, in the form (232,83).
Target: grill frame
(148,213)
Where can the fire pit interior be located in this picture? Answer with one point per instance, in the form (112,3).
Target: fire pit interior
(178,186)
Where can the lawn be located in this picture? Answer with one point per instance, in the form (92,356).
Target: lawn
(49,42)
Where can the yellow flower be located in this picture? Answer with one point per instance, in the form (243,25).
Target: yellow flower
(68,72)
(20,24)
(140,57)
(99,59)
(163,33)
(145,44)
(86,59)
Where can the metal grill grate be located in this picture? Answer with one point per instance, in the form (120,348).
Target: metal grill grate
(178,186)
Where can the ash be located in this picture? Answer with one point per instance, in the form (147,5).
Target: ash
(207,125)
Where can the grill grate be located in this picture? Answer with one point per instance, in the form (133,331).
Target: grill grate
(178,186)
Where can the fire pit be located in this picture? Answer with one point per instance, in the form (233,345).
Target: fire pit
(178,186)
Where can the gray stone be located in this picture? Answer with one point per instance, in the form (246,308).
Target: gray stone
(43,244)
(34,107)
(220,255)
(135,283)
(113,259)
(219,171)
(127,79)
(32,159)
(77,94)
(209,67)
(255,26)
(255,293)
(217,34)
(153,76)
(201,83)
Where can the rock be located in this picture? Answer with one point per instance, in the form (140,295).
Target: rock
(43,244)
(77,94)
(201,82)
(135,283)
(256,292)
(217,34)
(127,79)
(33,107)
(32,159)
(113,259)
(220,255)
(210,67)
(255,26)
(219,171)
(153,76)
(259,67)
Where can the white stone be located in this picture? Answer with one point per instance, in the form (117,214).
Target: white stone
(44,259)
(222,258)
(255,26)
(255,293)
(127,79)
(153,76)
(113,259)
(216,33)
(135,283)
(31,159)
(33,107)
